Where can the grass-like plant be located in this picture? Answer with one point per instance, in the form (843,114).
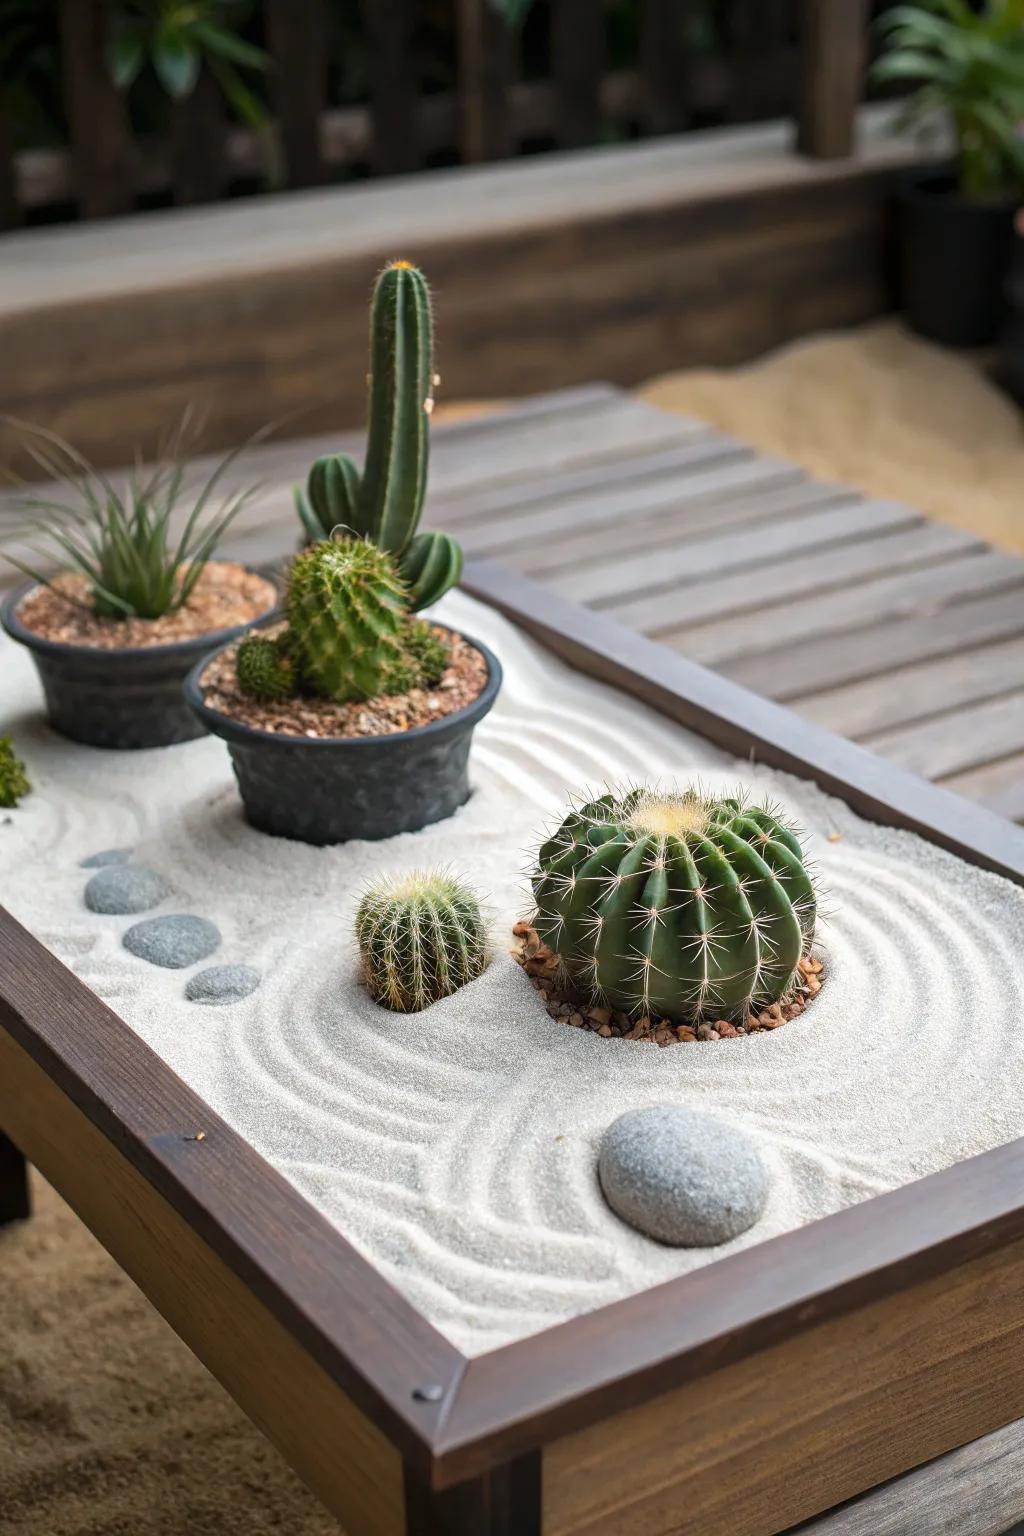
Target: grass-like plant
(122,539)
(969,65)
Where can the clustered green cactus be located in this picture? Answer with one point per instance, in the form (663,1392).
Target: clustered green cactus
(13,777)
(421,937)
(264,668)
(346,616)
(385,503)
(350,635)
(677,904)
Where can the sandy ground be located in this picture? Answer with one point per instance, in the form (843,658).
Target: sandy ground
(882,410)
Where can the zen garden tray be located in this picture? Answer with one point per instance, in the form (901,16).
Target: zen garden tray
(384,1233)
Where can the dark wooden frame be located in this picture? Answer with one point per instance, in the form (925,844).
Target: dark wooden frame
(491,1445)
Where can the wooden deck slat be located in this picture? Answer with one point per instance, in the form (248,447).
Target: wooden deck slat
(899,698)
(713,483)
(789,673)
(607,583)
(856,606)
(1000,786)
(955,742)
(708,515)
(624,476)
(782,581)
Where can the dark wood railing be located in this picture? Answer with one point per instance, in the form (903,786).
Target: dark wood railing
(798,57)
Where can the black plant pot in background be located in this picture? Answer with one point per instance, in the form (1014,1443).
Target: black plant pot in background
(1011,364)
(954,260)
(127,698)
(337,788)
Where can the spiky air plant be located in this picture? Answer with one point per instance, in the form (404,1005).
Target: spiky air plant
(676,903)
(421,936)
(385,503)
(14,781)
(264,669)
(125,539)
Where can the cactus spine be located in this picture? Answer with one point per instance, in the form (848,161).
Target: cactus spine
(678,905)
(263,667)
(386,503)
(346,616)
(421,937)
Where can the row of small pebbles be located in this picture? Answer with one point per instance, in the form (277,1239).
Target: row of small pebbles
(173,941)
(542,966)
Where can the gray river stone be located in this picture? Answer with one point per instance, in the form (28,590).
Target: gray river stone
(123,888)
(220,984)
(106,856)
(682,1176)
(173,941)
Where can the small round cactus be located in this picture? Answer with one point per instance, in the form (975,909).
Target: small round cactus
(676,904)
(264,669)
(13,778)
(421,936)
(346,619)
(424,658)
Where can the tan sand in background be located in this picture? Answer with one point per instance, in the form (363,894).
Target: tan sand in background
(879,409)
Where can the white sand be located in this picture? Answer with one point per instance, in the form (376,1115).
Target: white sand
(456,1148)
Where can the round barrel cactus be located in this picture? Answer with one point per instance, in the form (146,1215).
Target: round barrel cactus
(421,937)
(676,904)
(346,619)
(264,668)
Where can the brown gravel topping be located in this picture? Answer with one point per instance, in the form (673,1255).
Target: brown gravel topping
(225,595)
(566,1005)
(463,681)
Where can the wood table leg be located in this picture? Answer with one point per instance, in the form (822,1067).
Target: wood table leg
(15,1204)
(504,1502)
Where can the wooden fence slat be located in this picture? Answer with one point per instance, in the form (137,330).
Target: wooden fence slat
(760,30)
(394,88)
(833,54)
(297,43)
(485,72)
(197,143)
(100,137)
(578,58)
(664,66)
(10,208)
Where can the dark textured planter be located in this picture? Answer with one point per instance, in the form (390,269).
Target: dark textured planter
(125,699)
(338,788)
(954,260)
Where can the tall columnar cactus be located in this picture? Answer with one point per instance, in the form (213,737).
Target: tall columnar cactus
(386,503)
(346,620)
(678,904)
(421,937)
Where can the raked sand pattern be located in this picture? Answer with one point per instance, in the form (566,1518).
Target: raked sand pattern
(456,1148)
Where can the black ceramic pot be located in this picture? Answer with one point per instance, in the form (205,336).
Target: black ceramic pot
(336,788)
(124,699)
(954,261)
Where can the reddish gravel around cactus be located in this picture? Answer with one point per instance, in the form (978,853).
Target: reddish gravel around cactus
(463,681)
(225,596)
(564,1004)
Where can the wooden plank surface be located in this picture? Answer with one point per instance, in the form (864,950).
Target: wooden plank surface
(975,1489)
